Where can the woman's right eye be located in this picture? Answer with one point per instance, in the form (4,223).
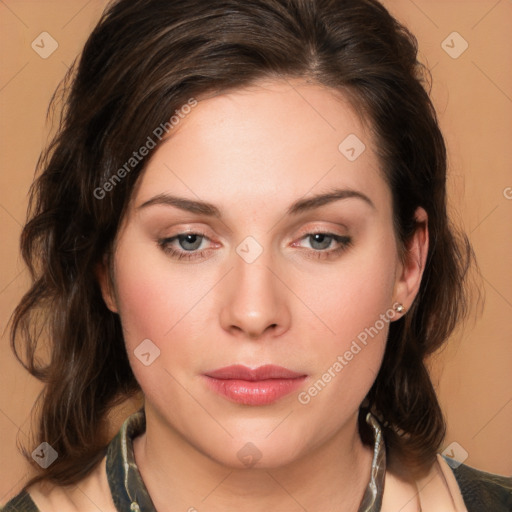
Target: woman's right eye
(188,243)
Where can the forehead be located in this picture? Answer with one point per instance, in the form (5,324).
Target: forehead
(275,140)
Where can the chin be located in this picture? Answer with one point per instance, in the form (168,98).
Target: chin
(248,452)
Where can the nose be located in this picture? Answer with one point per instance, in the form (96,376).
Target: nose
(254,303)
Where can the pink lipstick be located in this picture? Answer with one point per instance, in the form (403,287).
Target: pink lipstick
(260,386)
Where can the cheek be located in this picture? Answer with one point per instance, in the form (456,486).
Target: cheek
(155,303)
(351,297)
(354,308)
(160,305)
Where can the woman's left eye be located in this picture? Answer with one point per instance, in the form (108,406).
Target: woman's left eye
(190,243)
(321,241)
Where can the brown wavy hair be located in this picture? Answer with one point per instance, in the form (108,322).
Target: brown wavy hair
(144,60)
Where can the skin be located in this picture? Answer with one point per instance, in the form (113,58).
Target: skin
(252,153)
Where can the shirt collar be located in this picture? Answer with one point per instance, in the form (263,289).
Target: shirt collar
(130,493)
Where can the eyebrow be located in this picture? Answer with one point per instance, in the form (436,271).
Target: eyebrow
(300,206)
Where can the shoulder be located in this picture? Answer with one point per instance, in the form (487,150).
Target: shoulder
(46,497)
(22,502)
(481,489)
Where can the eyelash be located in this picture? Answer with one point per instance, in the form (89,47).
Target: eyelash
(344,241)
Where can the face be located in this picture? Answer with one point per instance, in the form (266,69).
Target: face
(260,275)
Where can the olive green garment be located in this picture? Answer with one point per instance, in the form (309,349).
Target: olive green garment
(481,491)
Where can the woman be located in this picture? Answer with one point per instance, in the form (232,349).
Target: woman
(243,218)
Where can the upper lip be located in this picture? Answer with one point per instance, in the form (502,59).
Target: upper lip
(265,372)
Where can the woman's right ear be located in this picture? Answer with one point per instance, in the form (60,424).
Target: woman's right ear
(104,279)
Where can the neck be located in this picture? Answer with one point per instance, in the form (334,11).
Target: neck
(330,476)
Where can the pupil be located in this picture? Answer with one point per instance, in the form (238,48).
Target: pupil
(191,239)
(320,238)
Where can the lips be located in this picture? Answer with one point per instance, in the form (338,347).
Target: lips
(259,386)
(265,372)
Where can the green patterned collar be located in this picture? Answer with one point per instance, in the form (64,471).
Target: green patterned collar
(130,493)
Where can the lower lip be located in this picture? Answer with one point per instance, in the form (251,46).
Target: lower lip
(261,392)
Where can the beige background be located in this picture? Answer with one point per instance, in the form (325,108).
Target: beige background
(473,95)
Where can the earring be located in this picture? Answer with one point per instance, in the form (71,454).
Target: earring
(399,307)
